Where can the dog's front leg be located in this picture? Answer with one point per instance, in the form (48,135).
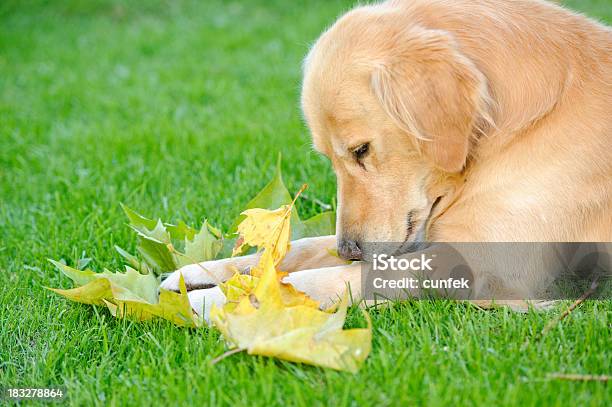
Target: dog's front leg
(325,285)
(307,253)
(203,300)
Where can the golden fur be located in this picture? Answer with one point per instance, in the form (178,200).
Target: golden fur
(486,120)
(514,96)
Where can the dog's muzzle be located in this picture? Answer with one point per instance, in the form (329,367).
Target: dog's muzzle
(349,249)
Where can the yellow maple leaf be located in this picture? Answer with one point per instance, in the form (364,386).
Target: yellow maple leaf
(261,323)
(93,292)
(267,230)
(237,287)
(243,284)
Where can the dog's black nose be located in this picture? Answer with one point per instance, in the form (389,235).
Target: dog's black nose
(349,249)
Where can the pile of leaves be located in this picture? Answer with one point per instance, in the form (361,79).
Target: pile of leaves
(262,315)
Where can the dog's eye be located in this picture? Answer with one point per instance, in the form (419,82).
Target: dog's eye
(361,151)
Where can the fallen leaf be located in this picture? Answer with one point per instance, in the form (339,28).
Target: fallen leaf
(130,294)
(320,225)
(174,307)
(133,261)
(274,195)
(128,285)
(267,317)
(237,287)
(243,284)
(202,246)
(93,292)
(79,277)
(263,325)
(154,237)
(268,230)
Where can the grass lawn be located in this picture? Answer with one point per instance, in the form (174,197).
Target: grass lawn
(179,109)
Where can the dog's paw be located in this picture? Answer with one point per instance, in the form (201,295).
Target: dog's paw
(203,300)
(196,276)
(204,275)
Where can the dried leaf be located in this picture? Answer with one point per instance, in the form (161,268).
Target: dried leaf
(262,324)
(93,292)
(267,230)
(237,287)
(243,284)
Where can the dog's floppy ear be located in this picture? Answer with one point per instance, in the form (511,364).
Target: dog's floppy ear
(433,92)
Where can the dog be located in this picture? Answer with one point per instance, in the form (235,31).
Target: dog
(450,121)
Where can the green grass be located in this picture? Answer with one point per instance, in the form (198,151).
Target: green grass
(179,110)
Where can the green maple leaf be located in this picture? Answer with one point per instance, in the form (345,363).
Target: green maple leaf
(174,307)
(130,284)
(188,245)
(320,225)
(203,246)
(129,295)
(133,261)
(274,195)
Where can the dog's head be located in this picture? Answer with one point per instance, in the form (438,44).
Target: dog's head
(395,108)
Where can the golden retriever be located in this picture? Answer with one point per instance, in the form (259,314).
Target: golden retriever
(458,121)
